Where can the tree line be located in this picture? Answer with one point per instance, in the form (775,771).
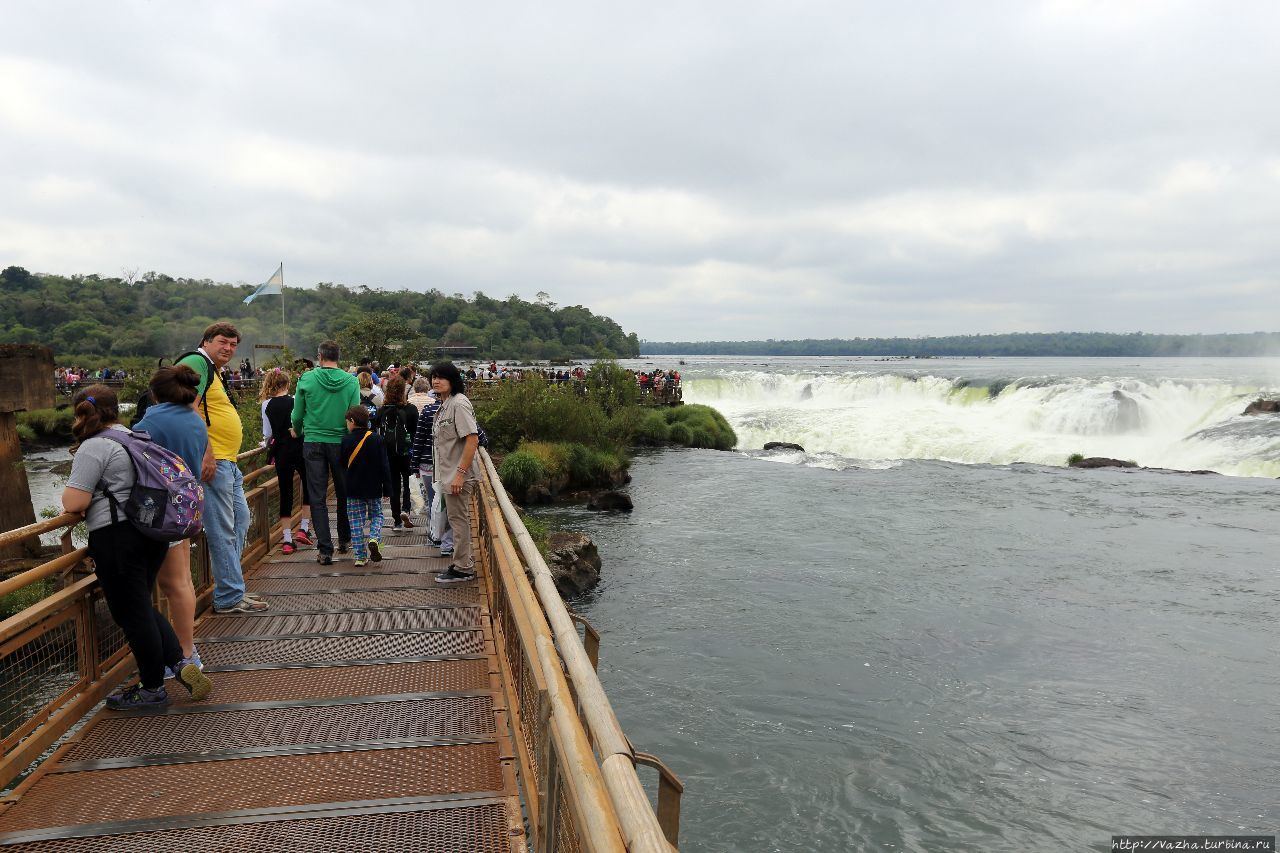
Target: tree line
(158,315)
(1078,344)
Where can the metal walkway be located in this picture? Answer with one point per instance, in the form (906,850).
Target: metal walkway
(363,712)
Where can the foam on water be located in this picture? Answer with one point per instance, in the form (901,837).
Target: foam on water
(884,415)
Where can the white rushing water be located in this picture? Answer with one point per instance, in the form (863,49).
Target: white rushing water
(1181,414)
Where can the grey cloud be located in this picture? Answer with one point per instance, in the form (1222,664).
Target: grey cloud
(694,170)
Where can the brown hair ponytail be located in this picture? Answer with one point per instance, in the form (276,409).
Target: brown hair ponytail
(96,408)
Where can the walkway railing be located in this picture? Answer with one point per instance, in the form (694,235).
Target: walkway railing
(578,771)
(558,706)
(62,655)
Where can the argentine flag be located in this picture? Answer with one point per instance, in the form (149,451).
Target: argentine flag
(272,286)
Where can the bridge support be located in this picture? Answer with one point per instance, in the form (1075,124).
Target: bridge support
(26,374)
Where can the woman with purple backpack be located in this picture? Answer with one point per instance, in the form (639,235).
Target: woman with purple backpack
(126,561)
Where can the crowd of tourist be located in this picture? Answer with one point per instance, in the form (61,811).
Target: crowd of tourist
(365,432)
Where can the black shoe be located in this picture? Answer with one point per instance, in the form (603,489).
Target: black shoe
(375,551)
(324,559)
(344,547)
(453,574)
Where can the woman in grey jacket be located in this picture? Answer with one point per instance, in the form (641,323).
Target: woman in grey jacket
(455,441)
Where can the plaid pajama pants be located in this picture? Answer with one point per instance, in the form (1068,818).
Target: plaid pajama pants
(364,513)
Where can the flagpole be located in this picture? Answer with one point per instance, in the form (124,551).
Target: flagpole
(284,326)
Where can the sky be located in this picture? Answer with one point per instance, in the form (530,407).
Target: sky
(696,171)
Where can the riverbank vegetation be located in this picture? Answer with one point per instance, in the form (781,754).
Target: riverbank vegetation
(157,315)
(576,436)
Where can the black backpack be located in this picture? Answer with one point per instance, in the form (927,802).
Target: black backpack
(146,398)
(395,436)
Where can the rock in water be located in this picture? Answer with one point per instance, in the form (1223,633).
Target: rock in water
(782,445)
(610,501)
(574,563)
(1263,407)
(1102,462)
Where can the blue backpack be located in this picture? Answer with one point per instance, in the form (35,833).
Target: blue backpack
(166,502)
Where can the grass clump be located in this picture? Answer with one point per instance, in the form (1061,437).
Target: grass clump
(20,599)
(1074,459)
(651,429)
(539,531)
(520,470)
(705,427)
(53,425)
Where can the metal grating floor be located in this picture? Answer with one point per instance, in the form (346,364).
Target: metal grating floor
(360,713)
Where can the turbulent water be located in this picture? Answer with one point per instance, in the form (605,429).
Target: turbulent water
(1180,414)
(868,651)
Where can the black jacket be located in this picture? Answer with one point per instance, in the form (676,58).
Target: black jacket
(369,476)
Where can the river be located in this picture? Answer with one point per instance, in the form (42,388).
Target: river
(922,635)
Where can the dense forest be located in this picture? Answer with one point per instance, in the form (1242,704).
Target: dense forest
(1080,344)
(157,315)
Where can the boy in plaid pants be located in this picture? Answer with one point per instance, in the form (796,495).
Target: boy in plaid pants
(368,481)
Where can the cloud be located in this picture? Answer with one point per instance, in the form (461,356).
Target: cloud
(695,171)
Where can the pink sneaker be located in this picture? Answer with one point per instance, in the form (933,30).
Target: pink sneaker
(302,538)
(286,548)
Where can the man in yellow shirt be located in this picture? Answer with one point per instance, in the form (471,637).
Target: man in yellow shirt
(226,513)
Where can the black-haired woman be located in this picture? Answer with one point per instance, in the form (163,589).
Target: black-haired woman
(455,442)
(126,562)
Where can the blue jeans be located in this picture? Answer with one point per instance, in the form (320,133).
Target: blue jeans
(226,523)
(323,461)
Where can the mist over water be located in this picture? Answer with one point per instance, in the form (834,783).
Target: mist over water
(1179,414)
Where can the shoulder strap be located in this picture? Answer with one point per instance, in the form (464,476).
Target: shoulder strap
(352,458)
(213,373)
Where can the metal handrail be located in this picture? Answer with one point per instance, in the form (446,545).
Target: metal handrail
(66,630)
(640,827)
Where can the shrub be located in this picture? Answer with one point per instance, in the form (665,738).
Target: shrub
(520,470)
(680,433)
(1074,459)
(26,434)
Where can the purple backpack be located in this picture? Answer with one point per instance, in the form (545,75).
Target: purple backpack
(166,502)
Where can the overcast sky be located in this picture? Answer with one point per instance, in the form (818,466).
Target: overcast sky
(696,171)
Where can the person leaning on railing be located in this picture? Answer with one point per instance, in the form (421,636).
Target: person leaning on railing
(125,561)
(172,423)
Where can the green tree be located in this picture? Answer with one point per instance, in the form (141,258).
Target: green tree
(373,336)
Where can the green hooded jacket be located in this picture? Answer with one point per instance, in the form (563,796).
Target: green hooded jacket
(320,404)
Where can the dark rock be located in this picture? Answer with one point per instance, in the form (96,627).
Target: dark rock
(1102,462)
(782,445)
(1262,407)
(538,493)
(574,563)
(610,501)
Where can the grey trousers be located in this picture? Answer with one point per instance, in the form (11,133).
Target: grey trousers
(458,508)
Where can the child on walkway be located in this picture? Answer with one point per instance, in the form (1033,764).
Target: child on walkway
(368,480)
